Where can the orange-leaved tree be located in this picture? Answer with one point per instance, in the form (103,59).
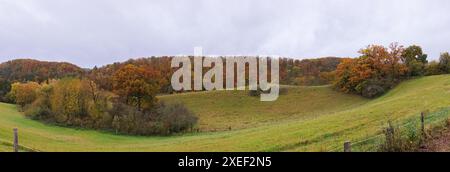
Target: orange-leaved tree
(137,86)
(376,70)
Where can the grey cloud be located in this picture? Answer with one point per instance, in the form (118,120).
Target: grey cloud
(99,32)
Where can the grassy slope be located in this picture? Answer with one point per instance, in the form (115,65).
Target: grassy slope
(4,148)
(221,110)
(324,132)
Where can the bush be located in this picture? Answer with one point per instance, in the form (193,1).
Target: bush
(373,88)
(372,91)
(432,68)
(175,117)
(166,119)
(125,119)
(397,140)
(39,109)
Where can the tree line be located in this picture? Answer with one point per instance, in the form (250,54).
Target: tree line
(23,70)
(65,94)
(130,109)
(119,97)
(292,72)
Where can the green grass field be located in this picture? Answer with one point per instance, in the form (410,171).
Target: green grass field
(222,110)
(306,119)
(4,148)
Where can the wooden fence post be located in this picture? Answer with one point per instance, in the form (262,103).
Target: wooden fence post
(16,141)
(348,146)
(422,123)
(422,129)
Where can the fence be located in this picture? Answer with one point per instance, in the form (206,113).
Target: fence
(425,118)
(438,117)
(16,147)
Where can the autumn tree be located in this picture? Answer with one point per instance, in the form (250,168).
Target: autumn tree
(415,60)
(68,100)
(348,76)
(160,67)
(24,93)
(376,70)
(136,86)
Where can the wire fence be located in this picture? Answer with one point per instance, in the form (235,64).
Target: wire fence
(371,143)
(21,147)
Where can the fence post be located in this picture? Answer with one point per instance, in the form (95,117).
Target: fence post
(422,128)
(422,123)
(16,141)
(347,146)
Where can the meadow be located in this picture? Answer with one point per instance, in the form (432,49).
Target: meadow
(225,110)
(305,119)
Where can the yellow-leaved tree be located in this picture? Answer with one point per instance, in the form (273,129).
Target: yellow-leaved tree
(24,93)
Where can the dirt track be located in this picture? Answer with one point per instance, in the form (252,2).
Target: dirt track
(440,143)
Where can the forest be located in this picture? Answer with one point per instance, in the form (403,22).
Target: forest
(122,97)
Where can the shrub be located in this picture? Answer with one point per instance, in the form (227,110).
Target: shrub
(432,68)
(125,119)
(371,91)
(397,140)
(175,117)
(39,109)
(166,119)
(372,88)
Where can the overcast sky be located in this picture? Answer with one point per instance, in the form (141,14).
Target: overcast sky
(98,32)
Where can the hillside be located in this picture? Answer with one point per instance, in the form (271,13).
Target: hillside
(224,110)
(337,118)
(306,72)
(22,70)
(35,70)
